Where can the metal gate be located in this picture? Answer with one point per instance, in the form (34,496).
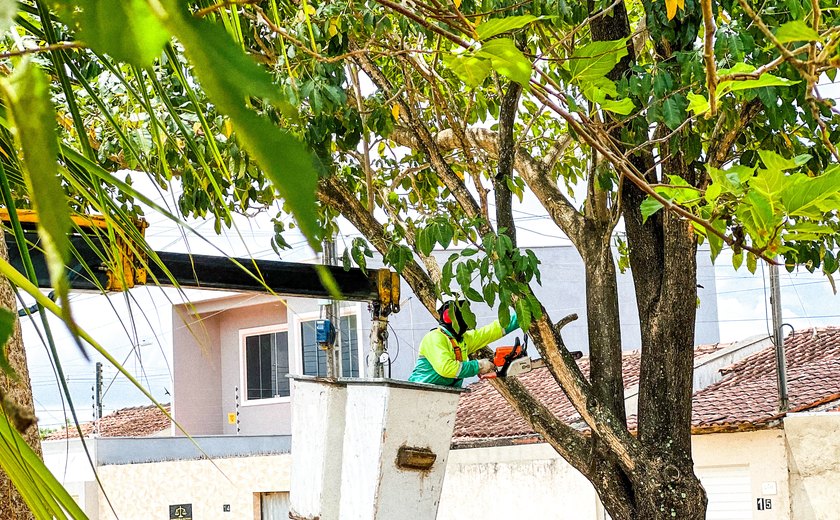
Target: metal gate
(274,506)
(729,490)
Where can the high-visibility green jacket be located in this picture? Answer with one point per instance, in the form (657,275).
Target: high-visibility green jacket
(436,363)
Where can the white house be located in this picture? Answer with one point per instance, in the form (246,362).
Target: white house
(754,462)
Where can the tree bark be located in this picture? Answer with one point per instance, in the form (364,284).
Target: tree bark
(17,400)
(504,173)
(663,266)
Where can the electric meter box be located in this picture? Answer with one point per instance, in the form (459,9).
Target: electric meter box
(324,332)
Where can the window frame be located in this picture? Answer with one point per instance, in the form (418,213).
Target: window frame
(298,319)
(243,365)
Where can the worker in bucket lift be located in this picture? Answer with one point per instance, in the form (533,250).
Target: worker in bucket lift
(444,351)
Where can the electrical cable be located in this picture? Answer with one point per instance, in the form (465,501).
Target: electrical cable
(397,355)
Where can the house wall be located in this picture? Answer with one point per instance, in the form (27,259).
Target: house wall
(762,453)
(67,461)
(144,491)
(563,291)
(813,450)
(196,361)
(268,416)
(532,481)
(528,481)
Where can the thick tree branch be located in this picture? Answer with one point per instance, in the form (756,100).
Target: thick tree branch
(600,419)
(723,139)
(561,210)
(332,192)
(504,173)
(709,54)
(570,443)
(427,145)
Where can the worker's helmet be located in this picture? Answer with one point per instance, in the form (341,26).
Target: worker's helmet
(451,316)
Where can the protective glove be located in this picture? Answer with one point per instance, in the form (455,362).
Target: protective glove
(514,323)
(485,366)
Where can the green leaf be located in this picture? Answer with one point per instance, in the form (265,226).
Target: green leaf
(803,195)
(27,92)
(7,327)
(764,217)
(737,259)
(444,233)
(474,295)
(469,69)
(425,244)
(507,60)
(489,293)
(751,262)
(469,316)
(498,26)
(8,11)
(127,30)
(523,313)
(774,161)
(648,207)
(673,111)
(595,60)
(229,77)
(622,107)
(765,80)
(715,242)
(663,82)
(697,103)
(713,192)
(797,31)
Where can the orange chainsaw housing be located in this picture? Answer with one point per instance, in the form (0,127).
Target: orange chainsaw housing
(504,353)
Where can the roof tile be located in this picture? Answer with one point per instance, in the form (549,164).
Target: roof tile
(139,421)
(746,395)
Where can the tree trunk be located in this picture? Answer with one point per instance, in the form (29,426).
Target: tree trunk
(605,373)
(17,401)
(664,265)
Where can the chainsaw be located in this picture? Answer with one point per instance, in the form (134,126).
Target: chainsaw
(511,360)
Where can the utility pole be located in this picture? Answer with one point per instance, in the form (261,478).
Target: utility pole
(778,337)
(333,316)
(97,397)
(389,301)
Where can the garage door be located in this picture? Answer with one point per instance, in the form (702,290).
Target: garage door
(729,490)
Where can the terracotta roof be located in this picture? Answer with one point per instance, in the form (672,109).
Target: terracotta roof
(748,395)
(139,421)
(745,398)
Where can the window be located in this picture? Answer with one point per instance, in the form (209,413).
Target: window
(315,359)
(266,365)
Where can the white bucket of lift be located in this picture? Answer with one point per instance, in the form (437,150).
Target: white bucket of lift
(396,438)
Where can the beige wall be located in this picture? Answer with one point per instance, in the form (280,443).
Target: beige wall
(762,452)
(197,405)
(207,370)
(260,417)
(145,491)
(532,481)
(502,483)
(813,449)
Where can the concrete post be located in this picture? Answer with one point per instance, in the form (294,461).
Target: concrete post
(317,436)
